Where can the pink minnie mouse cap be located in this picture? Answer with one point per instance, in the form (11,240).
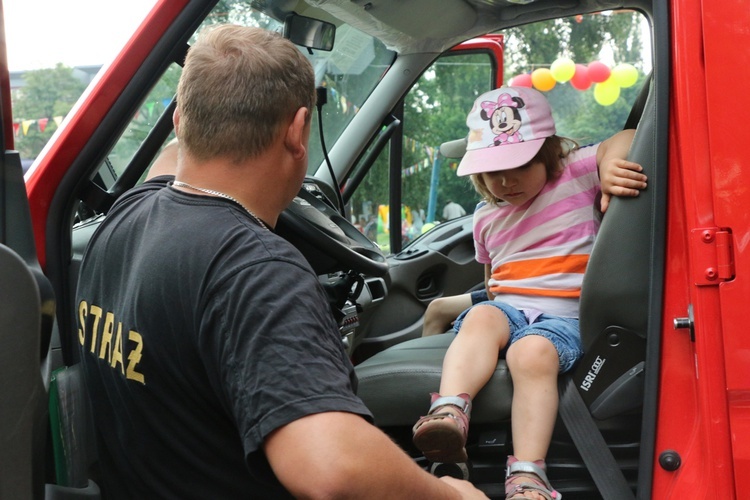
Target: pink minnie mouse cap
(507,127)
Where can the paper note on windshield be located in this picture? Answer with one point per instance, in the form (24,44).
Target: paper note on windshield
(352,52)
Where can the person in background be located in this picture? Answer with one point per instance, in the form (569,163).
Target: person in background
(453,210)
(213,363)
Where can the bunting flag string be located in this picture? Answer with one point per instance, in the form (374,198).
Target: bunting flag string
(424,164)
(25,126)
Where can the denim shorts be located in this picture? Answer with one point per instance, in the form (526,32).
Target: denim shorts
(564,333)
(478,296)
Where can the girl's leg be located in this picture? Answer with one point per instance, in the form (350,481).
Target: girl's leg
(534,363)
(469,363)
(442,312)
(472,356)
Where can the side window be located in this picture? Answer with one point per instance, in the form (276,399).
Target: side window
(143,122)
(434,112)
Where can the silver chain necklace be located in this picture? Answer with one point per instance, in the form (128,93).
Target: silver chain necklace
(221,195)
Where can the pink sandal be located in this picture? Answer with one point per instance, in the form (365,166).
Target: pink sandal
(535,473)
(441,436)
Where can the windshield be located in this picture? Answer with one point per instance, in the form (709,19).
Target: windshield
(349,72)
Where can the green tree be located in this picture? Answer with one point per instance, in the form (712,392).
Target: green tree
(435,112)
(46,94)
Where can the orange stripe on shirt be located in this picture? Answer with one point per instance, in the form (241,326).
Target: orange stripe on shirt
(540,292)
(564,264)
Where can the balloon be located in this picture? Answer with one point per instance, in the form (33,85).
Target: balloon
(563,69)
(598,72)
(625,75)
(607,92)
(580,80)
(522,80)
(542,79)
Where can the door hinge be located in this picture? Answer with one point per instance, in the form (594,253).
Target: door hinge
(712,256)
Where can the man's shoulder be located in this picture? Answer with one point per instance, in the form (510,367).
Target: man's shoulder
(148,188)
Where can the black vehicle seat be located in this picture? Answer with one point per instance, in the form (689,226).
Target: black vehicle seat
(395,383)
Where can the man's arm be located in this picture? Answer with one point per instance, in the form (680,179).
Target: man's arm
(166,162)
(340,455)
(618,176)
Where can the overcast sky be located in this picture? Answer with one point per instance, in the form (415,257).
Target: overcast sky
(41,33)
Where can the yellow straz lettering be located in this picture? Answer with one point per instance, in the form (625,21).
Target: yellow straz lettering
(135,357)
(96,312)
(107,343)
(108,332)
(117,352)
(83,311)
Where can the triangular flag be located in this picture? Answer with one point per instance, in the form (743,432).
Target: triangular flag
(26,124)
(57,120)
(16,128)
(42,123)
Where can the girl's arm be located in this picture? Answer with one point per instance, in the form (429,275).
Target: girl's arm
(618,176)
(487,275)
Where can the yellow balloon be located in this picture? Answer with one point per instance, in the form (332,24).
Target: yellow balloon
(625,75)
(542,79)
(607,92)
(563,69)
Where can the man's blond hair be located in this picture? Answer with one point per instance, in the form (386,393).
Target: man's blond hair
(238,87)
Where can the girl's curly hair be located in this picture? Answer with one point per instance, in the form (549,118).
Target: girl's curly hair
(554,149)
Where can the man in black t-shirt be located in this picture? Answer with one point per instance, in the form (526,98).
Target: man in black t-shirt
(214,366)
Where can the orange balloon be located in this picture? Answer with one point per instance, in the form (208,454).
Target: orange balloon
(543,80)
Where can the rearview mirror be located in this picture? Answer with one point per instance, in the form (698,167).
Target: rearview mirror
(309,32)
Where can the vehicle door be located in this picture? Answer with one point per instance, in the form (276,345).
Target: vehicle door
(26,311)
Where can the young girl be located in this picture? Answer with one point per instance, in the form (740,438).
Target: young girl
(534,235)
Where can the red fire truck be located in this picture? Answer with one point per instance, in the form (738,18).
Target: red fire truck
(659,407)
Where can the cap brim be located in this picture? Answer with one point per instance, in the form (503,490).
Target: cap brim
(498,158)
(453,149)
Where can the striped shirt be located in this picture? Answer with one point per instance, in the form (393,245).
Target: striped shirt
(539,251)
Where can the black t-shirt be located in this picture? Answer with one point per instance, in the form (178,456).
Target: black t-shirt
(203,333)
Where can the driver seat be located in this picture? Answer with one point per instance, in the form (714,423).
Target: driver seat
(395,383)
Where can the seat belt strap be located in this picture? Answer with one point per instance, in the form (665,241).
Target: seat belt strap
(590,443)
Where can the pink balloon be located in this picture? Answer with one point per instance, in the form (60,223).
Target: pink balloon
(598,72)
(522,80)
(580,80)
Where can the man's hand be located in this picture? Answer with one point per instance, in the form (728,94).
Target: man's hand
(620,178)
(465,488)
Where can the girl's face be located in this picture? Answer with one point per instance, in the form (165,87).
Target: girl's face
(518,185)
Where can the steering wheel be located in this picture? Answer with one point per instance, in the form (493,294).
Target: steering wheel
(328,241)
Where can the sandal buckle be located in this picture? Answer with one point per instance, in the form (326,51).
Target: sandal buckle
(462,403)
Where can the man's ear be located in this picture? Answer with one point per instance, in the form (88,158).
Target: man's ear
(176,120)
(297,134)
